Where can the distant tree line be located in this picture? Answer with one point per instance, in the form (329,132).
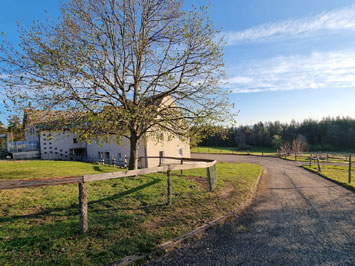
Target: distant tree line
(14,129)
(329,134)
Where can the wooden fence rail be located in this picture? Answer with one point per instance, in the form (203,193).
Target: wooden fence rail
(210,165)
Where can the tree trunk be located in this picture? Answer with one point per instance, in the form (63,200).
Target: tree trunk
(133,154)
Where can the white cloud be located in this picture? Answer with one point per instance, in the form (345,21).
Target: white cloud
(315,71)
(341,19)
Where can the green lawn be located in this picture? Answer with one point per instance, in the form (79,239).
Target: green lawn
(337,173)
(40,226)
(234,150)
(44,169)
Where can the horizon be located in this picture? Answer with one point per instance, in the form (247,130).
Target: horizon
(284,61)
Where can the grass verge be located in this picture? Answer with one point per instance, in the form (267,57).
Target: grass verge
(337,173)
(39,226)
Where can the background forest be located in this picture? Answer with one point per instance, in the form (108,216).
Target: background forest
(329,134)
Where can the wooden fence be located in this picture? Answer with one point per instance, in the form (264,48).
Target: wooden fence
(210,165)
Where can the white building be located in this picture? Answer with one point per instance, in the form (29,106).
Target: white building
(63,145)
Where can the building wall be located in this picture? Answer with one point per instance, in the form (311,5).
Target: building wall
(57,145)
(169,146)
(31,134)
(108,150)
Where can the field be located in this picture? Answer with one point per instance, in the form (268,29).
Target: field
(234,150)
(40,226)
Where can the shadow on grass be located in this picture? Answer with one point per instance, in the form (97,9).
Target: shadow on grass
(97,168)
(73,209)
(127,192)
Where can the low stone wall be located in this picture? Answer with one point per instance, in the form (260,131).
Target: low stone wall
(26,155)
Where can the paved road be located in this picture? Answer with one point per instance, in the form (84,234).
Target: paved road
(297,218)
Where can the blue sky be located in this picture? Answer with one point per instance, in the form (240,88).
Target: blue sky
(284,59)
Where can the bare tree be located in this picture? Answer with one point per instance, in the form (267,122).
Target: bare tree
(129,67)
(299,144)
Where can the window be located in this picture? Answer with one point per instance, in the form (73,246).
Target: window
(75,140)
(119,156)
(101,154)
(107,155)
(180,152)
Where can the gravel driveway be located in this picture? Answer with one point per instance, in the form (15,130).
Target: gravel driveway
(297,218)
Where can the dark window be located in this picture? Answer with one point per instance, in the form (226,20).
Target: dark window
(45,152)
(75,140)
(50,152)
(61,150)
(55,148)
(56,152)
(180,152)
(50,143)
(45,148)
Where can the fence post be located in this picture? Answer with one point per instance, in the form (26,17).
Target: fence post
(310,160)
(83,207)
(113,161)
(169,187)
(182,171)
(327,157)
(125,161)
(211,176)
(295,156)
(349,181)
(320,170)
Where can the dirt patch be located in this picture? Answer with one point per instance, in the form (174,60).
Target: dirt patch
(149,225)
(227,190)
(201,182)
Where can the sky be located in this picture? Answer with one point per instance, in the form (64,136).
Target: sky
(284,59)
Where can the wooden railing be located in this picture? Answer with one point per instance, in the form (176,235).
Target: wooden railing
(210,165)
